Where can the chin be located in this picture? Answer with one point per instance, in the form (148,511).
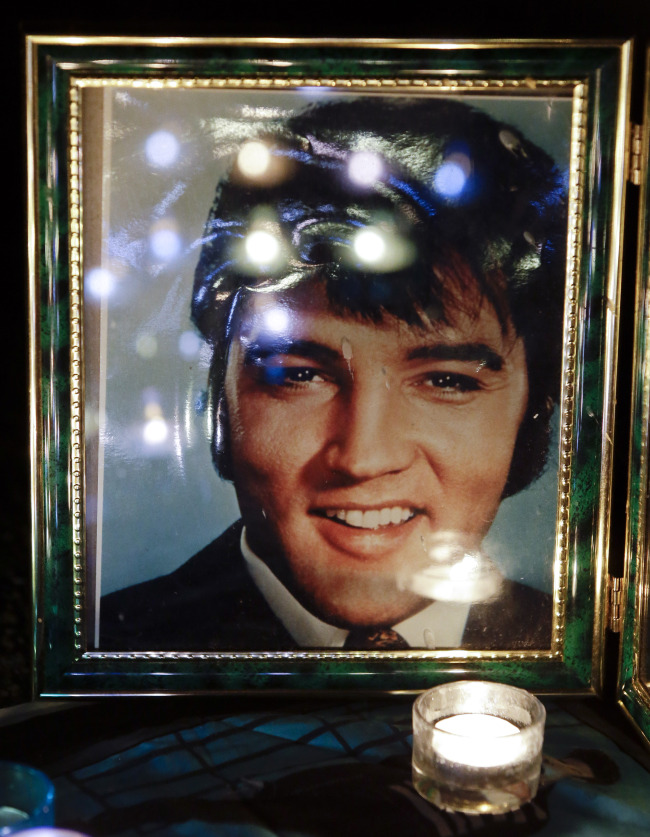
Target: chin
(359,601)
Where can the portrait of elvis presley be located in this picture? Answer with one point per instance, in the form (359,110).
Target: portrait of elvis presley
(381,283)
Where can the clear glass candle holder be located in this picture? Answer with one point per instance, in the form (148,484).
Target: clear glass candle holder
(477,746)
(26,798)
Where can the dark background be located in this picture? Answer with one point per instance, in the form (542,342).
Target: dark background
(442,20)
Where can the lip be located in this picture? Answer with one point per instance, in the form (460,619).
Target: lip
(366,543)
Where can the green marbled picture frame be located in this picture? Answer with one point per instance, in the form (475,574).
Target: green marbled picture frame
(75,88)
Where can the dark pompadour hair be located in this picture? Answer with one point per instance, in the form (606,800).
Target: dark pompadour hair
(480,209)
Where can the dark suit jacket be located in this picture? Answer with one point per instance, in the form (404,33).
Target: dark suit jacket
(211,603)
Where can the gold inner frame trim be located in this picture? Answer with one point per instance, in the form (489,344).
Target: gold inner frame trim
(76,366)
(451,655)
(569,355)
(526,86)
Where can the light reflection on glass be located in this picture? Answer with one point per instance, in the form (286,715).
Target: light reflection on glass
(382,249)
(100,282)
(189,412)
(276,319)
(365,168)
(254,159)
(451,177)
(449,180)
(161,149)
(262,247)
(455,571)
(370,246)
(155,431)
(178,443)
(165,243)
(146,346)
(189,345)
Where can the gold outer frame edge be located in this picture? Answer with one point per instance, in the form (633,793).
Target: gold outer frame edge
(398,43)
(35,448)
(613,292)
(35,399)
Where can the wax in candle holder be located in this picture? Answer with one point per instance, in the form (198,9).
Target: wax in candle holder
(477,747)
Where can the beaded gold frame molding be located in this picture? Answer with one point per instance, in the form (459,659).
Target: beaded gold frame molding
(397,86)
(580,88)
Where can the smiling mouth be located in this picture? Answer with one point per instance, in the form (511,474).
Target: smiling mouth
(372,518)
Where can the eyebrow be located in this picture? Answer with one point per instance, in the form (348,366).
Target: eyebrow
(480,353)
(472,352)
(259,351)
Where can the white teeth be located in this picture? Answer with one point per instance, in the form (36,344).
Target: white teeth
(385,517)
(396,515)
(372,519)
(355,518)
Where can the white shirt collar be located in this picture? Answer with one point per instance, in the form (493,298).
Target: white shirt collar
(439,625)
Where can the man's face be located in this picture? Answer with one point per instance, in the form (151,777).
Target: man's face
(355,444)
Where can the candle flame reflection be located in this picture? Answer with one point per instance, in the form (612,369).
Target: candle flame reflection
(455,571)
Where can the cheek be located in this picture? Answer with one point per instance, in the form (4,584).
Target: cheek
(272,447)
(259,451)
(473,452)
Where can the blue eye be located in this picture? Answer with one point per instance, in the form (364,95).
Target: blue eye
(286,376)
(273,375)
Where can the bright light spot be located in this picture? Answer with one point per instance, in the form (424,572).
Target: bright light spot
(365,168)
(254,159)
(449,180)
(146,346)
(369,246)
(99,282)
(478,740)
(458,571)
(262,248)
(155,431)
(189,345)
(276,319)
(467,567)
(162,149)
(165,243)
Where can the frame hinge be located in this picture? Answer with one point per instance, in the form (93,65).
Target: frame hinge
(636,146)
(614,603)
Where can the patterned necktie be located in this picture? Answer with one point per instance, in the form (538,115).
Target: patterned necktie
(375,638)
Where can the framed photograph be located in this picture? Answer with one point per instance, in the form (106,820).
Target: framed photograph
(323,361)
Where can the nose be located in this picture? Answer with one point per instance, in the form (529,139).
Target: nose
(371,433)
